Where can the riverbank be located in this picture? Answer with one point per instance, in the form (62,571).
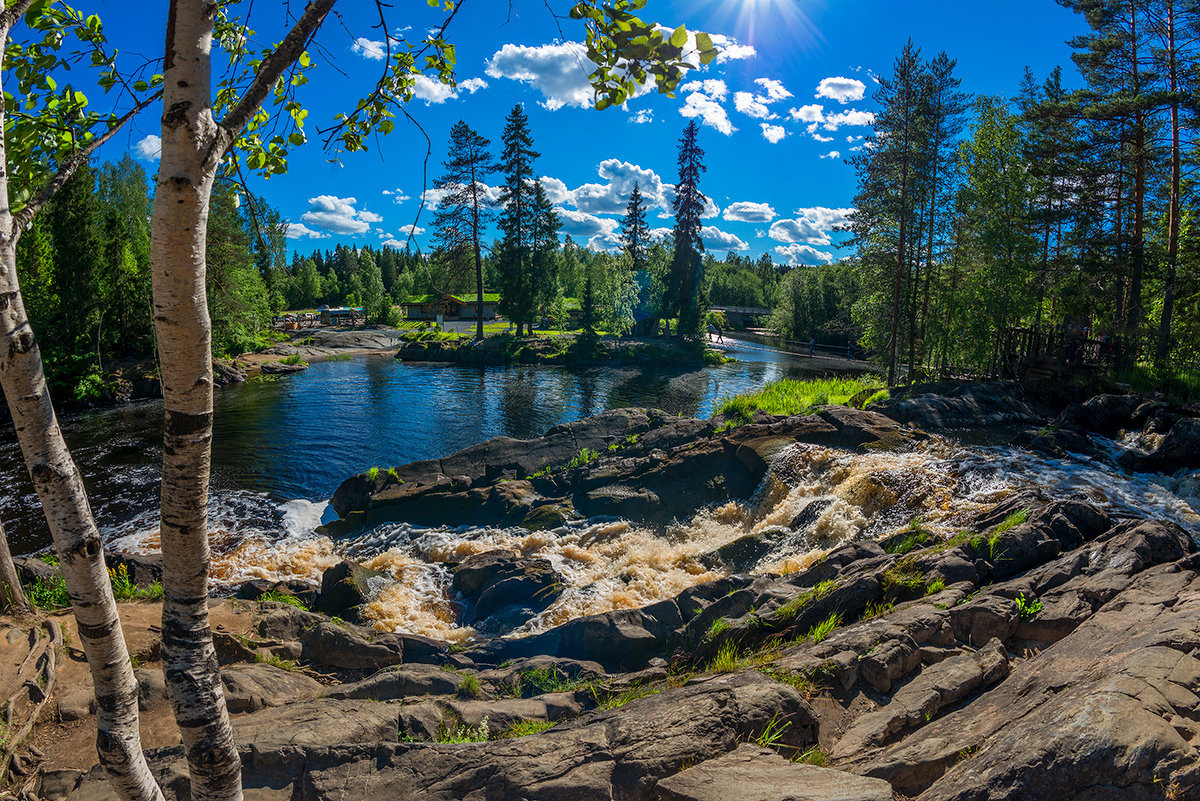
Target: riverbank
(564,349)
(1012,648)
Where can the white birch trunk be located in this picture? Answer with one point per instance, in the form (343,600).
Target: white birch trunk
(191,148)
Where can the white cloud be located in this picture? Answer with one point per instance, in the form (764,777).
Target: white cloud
(642,117)
(798,255)
(579,223)
(774,90)
(411,229)
(716,239)
(337,215)
(849,117)
(148,148)
(751,105)
(729,50)
(613,196)
(659,233)
(369,49)
(396,195)
(773,133)
(394,243)
(709,111)
(748,211)
(812,113)
(559,71)
(433,196)
(798,230)
(434,91)
(609,242)
(832,154)
(713,87)
(301,231)
(822,139)
(843,90)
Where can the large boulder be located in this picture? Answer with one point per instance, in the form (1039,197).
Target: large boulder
(347,586)
(249,688)
(504,585)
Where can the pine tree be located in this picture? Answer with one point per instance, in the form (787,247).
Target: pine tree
(514,261)
(464,210)
(686,275)
(543,268)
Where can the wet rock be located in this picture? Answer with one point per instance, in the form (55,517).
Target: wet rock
(970,405)
(752,773)
(547,516)
(345,587)
(226,372)
(249,688)
(1103,414)
(281,369)
(1179,448)
(500,582)
(303,591)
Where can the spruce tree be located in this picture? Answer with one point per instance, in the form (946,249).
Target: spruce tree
(464,210)
(635,233)
(514,262)
(684,279)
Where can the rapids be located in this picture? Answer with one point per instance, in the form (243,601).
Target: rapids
(611,564)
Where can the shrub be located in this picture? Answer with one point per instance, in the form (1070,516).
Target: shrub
(584,457)
(50,594)
(1028,607)
(470,687)
(295,358)
(124,588)
(462,733)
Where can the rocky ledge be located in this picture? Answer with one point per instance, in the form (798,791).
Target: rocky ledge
(640,464)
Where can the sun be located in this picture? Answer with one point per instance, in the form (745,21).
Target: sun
(759,22)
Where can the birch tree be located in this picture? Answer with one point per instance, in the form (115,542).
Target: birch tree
(204,133)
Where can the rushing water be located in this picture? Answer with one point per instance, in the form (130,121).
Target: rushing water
(282,447)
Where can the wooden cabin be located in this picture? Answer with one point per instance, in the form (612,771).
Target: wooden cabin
(451,307)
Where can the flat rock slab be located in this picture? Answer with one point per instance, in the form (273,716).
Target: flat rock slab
(323,721)
(751,773)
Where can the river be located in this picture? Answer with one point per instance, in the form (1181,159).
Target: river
(282,446)
(296,439)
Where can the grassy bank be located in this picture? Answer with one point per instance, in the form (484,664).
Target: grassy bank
(786,397)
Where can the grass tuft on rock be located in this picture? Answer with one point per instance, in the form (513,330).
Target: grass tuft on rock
(789,397)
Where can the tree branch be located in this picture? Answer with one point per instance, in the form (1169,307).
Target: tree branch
(273,67)
(13,13)
(25,216)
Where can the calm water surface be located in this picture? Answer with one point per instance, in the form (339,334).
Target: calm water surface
(296,439)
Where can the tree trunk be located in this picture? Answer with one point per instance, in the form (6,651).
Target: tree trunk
(76,541)
(12,594)
(1168,307)
(192,145)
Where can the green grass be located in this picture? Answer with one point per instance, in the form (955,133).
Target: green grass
(727,660)
(295,358)
(792,608)
(339,357)
(937,585)
(470,687)
(373,474)
(262,658)
(799,681)
(788,397)
(282,598)
(540,681)
(1012,521)
(812,756)
(1179,383)
(617,700)
(822,630)
(877,609)
(914,537)
(773,732)
(49,558)
(718,626)
(902,578)
(878,397)
(524,728)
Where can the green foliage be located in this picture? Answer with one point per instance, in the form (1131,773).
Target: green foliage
(937,585)
(727,659)
(276,596)
(790,397)
(295,358)
(1028,607)
(372,474)
(718,627)
(124,588)
(264,658)
(541,681)
(878,609)
(814,755)
(609,701)
(914,537)
(49,594)
(584,457)
(902,579)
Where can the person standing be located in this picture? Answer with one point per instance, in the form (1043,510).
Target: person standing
(812,342)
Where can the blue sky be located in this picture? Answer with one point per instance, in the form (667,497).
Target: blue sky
(786,102)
